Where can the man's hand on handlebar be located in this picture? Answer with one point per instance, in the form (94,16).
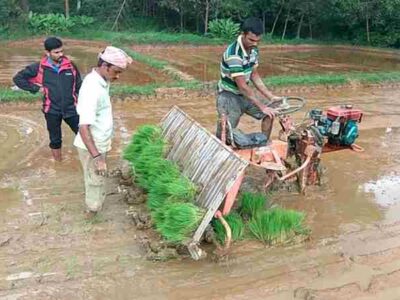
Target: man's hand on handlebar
(270,112)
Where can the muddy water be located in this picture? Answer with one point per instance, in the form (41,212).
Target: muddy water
(16,56)
(50,239)
(203,62)
(348,197)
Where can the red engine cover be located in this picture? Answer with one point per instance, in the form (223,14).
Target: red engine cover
(344,113)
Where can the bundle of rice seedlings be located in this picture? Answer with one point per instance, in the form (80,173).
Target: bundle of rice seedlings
(251,204)
(180,220)
(150,172)
(236,224)
(158,217)
(143,136)
(162,167)
(147,162)
(170,187)
(277,225)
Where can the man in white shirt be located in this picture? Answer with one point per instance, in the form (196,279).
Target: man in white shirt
(93,140)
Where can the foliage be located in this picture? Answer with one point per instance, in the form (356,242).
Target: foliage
(236,224)
(224,28)
(277,225)
(48,23)
(53,23)
(375,22)
(83,21)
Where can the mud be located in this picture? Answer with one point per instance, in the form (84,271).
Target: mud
(49,251)
(15,56)
(203,62)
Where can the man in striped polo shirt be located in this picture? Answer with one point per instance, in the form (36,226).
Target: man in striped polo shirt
(239,67)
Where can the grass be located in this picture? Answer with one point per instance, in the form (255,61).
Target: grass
(72,267)
(333,79)
(149,37)
(148,60)
(7,95)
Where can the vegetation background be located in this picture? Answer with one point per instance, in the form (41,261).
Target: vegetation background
(360,22)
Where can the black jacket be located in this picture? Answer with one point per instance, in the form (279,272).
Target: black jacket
(60,89)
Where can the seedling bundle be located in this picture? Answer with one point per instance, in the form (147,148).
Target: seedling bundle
(271,226)
(170,194)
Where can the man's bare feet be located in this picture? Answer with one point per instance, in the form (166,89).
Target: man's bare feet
(89,215)
(56,154)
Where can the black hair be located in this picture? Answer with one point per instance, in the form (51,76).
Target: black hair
(52,43)
(100,62)
(253,25)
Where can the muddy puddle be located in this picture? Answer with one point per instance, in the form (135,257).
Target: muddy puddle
(203,62)
(17,55)
(56,254)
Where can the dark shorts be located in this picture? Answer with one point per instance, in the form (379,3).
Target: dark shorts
(234,106)
(53,122)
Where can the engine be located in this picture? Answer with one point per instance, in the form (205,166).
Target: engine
(339,125)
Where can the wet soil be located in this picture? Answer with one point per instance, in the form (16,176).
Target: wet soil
(49,251)
(203,62)
(16,55)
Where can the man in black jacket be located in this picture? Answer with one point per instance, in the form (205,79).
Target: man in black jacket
(58,79)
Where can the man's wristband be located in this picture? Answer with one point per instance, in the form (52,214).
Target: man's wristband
(96,156)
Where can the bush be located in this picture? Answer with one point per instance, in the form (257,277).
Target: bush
(52,23)
(82,21)
(224,28)
(49,23)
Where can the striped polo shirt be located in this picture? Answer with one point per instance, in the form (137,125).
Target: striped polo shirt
(236,62)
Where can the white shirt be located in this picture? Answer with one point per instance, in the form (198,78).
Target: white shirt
(94,109)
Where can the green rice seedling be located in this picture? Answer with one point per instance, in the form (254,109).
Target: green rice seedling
(181,189)
(236,224)
(170,187)
(158,217)
(148,161)
(145,135)
(180,220)
(251,204)
(277,225)
(162,167)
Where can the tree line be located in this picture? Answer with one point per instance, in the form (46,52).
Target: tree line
(375,22)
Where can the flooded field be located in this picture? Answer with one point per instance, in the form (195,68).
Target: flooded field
(48,250)
(17,55)
(203,62)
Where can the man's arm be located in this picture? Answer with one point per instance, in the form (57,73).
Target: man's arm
(78,79)
(248,92)
(99,160)
(21,79)
(86,135)
(260,86)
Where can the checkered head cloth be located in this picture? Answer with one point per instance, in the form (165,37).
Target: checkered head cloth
(116,57)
